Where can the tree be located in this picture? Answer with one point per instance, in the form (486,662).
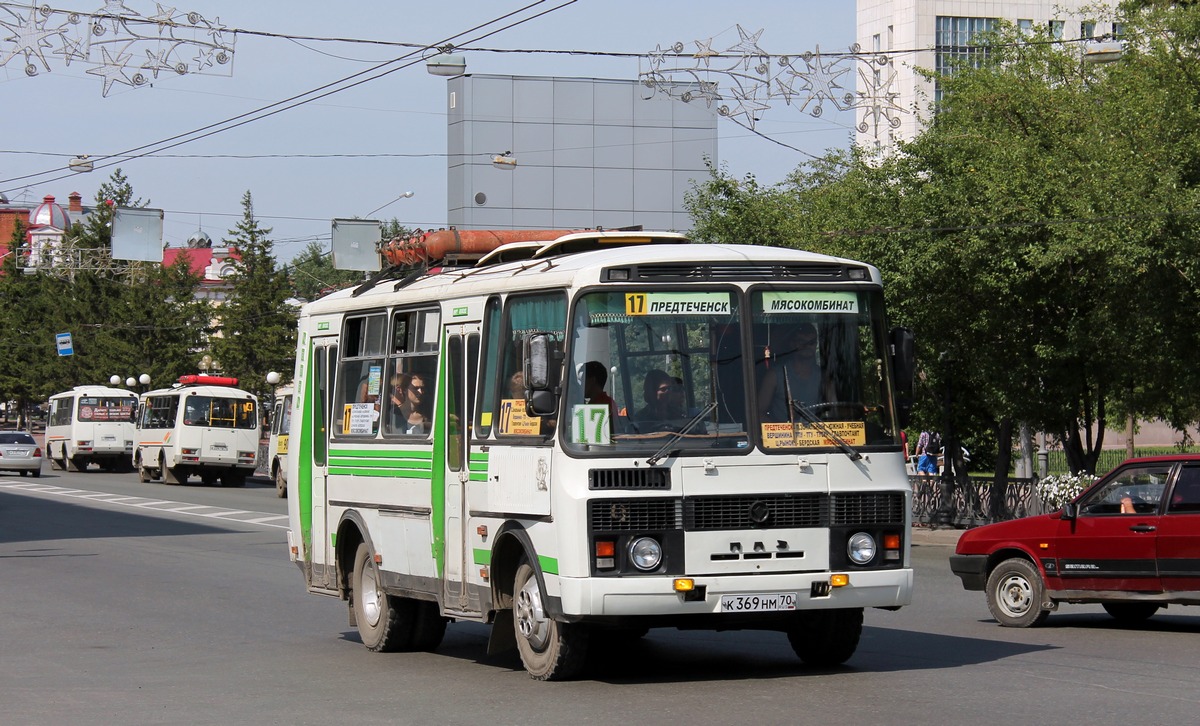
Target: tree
(257,331)
(312,274)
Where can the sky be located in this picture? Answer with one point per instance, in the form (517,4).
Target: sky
(356,152)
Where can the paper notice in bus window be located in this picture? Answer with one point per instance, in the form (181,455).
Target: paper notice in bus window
(785,303)
(515,422)
(677,303)
(782,435)
(590,424)
(359,418)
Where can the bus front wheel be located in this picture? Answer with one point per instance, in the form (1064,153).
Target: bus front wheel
(550,650)
(385,623)
(826,638)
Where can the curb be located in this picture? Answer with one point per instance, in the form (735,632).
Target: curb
(944,537)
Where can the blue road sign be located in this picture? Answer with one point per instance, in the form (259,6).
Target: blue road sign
(65,347)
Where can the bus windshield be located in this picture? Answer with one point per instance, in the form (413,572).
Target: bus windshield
(218,412)
(804,369)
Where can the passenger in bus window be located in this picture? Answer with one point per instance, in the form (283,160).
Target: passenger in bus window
(793,373)
(595,375)
(412,415)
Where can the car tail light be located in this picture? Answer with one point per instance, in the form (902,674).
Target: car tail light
(37,453)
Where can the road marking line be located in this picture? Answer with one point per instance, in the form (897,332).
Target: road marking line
(154,505)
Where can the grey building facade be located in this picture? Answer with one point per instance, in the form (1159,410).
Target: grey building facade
(588,152)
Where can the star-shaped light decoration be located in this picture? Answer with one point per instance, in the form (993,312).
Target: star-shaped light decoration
(30,38)
(822,80)
(748,47)
(72,49)
(165,17)
(704,52)
(112,70)
(159,60)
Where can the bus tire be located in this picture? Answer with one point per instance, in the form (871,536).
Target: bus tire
(144,474)
(826,638)
(209,480)
(550,650)
(56,463)
(385,622)
(429,627)
(77,463)
(280,482)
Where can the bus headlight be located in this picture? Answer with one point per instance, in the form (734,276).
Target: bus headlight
(645,553)
(861,548)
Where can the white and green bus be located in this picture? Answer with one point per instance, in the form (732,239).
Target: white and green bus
(584,437)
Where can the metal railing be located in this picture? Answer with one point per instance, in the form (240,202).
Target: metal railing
(950,503)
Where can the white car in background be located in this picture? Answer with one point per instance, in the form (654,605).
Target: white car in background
(19,451)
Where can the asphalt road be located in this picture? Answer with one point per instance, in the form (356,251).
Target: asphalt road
(133,603)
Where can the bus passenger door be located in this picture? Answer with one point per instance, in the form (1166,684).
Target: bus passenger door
(461,362)
(314,455)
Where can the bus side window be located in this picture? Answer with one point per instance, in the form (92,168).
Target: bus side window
(361,375)
(408,397)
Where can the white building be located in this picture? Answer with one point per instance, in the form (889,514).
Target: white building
(929,33)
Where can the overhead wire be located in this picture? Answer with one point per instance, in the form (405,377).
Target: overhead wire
(380,70)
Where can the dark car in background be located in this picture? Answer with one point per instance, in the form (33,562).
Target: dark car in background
(1130,542)
(19,451)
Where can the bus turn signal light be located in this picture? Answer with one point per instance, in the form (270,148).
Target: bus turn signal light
(839,580)
(684,584)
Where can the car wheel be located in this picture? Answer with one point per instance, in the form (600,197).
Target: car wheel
(550,650)
(35,473)
(1015,593)
(24,472)
(826,638)
(385,623)
(1131,612)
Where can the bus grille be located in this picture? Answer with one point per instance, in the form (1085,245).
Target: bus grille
(618,515)
(743,512)
(867,508)
(629,479)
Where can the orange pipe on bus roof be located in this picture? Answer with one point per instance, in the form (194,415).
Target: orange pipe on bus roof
(434,246)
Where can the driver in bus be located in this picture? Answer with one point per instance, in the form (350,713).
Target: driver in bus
(794,374)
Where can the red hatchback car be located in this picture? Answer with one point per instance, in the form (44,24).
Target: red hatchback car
(1130,542)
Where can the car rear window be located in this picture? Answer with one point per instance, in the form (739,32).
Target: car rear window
(9,437)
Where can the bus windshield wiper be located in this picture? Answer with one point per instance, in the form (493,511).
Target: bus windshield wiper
(819,425)
(680,433)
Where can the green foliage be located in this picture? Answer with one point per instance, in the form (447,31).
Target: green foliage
(258,326)
(311,274)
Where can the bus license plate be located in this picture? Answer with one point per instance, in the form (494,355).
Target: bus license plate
(760,602)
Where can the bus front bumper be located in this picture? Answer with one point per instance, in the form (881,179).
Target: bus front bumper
(634,596)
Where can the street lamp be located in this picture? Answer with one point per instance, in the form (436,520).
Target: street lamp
(446,64)
(114,380)
(405,195)
(130,382)
(144,379)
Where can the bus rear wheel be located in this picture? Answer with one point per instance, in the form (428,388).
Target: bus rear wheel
(385,622)
(827,638)
(169,475)
(280,482)
(77,463)
(550,650)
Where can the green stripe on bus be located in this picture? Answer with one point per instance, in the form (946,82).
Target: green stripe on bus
(437,482)
(394,465)
(382,453)
(380,473)
(304,454)
(482,557)
(549,565)
(478,477)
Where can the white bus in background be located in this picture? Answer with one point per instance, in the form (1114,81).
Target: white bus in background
(203,426)
(91,424)
(569,439)
(277,449)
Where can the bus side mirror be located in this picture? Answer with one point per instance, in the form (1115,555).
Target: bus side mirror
(904,368)
(543,364)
